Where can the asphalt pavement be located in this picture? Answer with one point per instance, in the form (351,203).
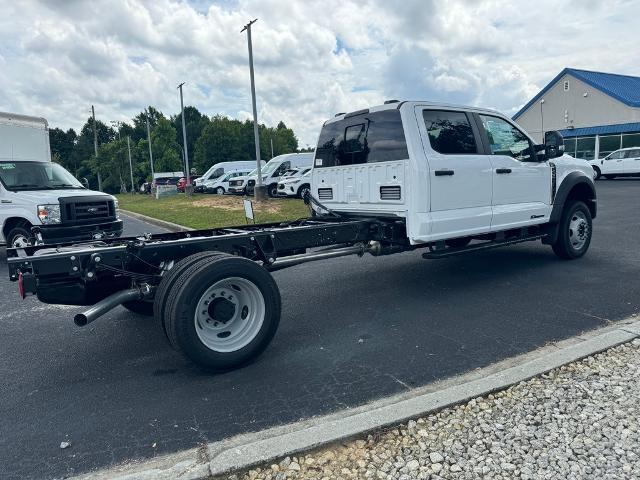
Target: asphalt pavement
(352,330)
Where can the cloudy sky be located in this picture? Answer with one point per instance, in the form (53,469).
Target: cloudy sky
(312,58)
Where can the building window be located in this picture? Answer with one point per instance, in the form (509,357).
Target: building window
(632,140)
(566,85)
(570,146)
(586,148)
(608,144)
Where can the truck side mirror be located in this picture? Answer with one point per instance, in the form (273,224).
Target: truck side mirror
(85,182)
(553,144)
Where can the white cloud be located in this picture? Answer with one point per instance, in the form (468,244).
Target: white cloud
(313,59)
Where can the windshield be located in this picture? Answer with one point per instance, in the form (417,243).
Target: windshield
(36,176)
(270,167)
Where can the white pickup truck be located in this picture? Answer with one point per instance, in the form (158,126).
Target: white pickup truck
(403,176)
(454,174)
(35,192)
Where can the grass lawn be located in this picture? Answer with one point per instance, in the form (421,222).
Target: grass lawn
(207,211)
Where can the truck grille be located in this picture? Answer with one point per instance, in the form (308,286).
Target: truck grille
(88,211)
(325,193)
(390,192)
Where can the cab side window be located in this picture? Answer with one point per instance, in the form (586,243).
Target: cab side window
(505,139)
(281,169)
(615,156)
(632,153)
(450,132)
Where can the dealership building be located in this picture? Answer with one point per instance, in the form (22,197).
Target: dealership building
(596,113)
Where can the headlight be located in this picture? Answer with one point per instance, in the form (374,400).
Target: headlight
(49,214)
(116,206)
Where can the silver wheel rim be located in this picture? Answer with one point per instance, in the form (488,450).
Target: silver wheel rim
(229,314)
(220,190)
(578,230)
(20,241)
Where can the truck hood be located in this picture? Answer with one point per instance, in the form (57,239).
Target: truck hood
(42,197)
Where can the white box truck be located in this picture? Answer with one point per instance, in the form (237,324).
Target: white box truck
(39,199)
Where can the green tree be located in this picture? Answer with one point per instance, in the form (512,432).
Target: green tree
(195,122)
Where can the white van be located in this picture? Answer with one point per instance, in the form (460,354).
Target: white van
(35,192)
(220,168)
(275,169)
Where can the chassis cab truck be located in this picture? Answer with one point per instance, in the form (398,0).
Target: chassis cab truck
(403,176)
(39,199)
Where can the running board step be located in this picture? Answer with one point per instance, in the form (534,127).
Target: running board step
(449,252)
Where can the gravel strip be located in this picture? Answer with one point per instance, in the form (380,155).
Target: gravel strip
(578,421)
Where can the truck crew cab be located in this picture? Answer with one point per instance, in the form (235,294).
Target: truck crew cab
(35,192)
(398,177)
(454,174)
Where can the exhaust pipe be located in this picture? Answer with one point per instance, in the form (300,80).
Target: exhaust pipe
(106,304)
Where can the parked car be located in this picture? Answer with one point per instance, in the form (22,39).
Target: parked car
(621,163)
(182,182)
(35,192)
(275,168)
(220,168)
(295,185)
(220,185)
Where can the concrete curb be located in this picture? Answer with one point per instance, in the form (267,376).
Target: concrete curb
(246,450)
(172,227)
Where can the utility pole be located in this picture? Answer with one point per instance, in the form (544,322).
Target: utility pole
(188,189)
(271,147)
(259,191)
(150,150)
(95,146)
(133,189)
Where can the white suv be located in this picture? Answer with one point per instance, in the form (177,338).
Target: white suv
(295,185)
(621,163)
(220,185)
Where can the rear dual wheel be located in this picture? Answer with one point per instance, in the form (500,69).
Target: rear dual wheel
(220,311)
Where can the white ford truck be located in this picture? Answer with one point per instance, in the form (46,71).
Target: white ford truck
(398,177)
(35,192)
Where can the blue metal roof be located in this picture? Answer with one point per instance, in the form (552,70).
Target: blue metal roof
(601,130)
(624,88)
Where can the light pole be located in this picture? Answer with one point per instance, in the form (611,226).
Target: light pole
(188,189)
(95,146)
(259,190)
(150,150)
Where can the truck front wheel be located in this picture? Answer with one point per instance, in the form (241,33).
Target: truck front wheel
(223,312)
(19,237)
(574,234)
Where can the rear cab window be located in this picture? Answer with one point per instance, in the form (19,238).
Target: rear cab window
(363,138)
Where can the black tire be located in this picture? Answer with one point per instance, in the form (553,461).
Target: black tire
(457,242)
(272,190)
(17,234)
(563,247)
(598,173)
(609,177)
(140,307)
(169,279)
(183,300)
(304,188)
(220,190)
